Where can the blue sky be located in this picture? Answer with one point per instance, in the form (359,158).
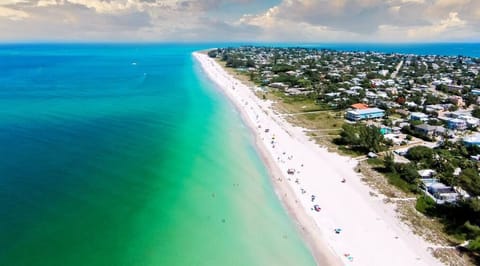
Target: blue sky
(240,20)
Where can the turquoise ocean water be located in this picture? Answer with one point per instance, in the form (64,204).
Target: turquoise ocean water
(128,155)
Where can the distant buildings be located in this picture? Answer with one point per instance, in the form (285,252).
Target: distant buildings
(423,90)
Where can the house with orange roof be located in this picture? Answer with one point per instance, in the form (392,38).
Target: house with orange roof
(359,106)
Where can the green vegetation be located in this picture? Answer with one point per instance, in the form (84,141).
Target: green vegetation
(476,112)
(421,155)
(397,180)
(460,220)
(362,138)
(404,176)
(410,131)
(425,204)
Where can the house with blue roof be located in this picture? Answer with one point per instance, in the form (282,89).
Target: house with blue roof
(457,124)
(364,114)
(416,116)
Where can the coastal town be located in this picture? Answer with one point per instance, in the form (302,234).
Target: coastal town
(412,119)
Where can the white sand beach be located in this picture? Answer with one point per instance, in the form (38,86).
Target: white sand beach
(371,234)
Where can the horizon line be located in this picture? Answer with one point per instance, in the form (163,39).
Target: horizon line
(230,42)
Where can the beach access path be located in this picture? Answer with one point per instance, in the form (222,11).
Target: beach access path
(371,233)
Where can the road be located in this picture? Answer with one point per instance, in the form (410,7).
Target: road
(395,73)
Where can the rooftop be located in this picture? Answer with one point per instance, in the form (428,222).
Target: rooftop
(418,114)
(368,111)
(359,106)
(474,138)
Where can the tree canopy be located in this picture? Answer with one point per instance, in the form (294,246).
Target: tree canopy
(361,137)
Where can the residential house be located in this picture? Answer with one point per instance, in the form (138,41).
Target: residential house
(383,72)
(455,88)
(475,92)
(432,108)
(278,85)
(411,104)
(472,122)
(359,106)
(426,130)
(389,82)
(392,90)
(438,191)
(427,173)
(416,116)
(402,112)
(442,193)
(472,140)
(370,113)
(456,124)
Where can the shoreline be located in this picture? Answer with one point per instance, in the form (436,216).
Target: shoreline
(309,232)
(371,234)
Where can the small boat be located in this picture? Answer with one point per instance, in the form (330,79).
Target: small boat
(317,208)
(291,171)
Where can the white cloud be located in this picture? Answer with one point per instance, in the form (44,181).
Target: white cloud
(12,2)
(45,3)
(13,14)
(452,22)
(292,20)
(119,6)
(370,20)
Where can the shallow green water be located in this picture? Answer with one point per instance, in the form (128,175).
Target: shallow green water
(128,155)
